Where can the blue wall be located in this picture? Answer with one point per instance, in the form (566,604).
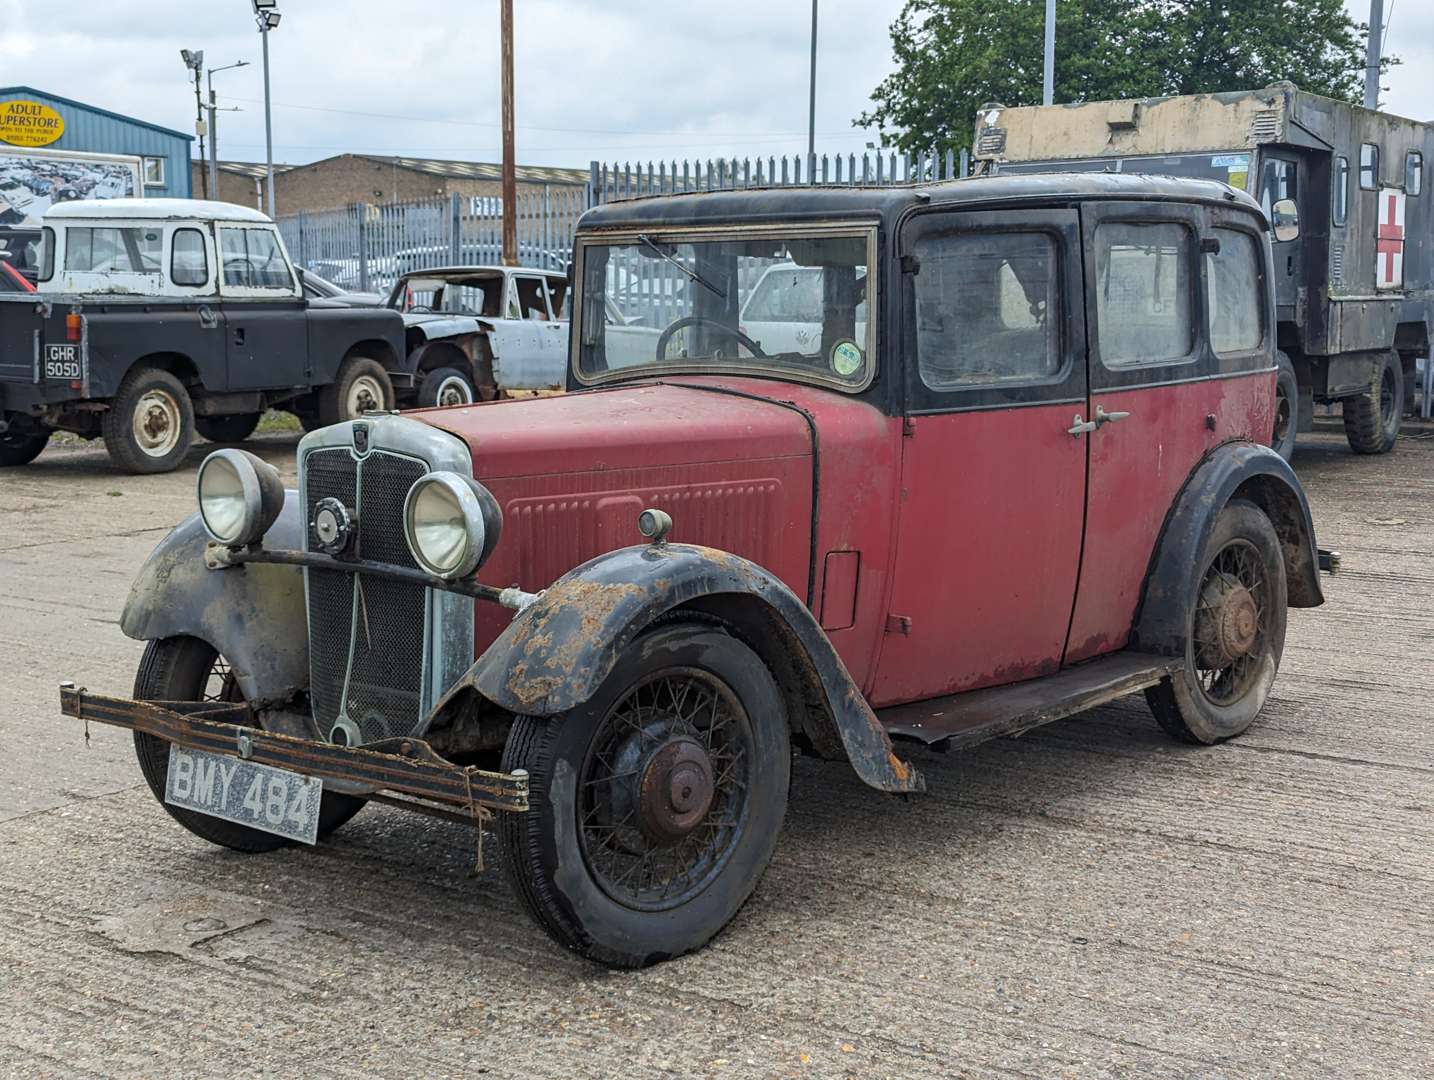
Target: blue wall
(98,131)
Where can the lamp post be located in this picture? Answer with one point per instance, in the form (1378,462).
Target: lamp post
(266,14)
(194,61)
(214,127)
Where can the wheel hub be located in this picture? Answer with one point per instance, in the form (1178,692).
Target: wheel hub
(1229,622)
(674,790)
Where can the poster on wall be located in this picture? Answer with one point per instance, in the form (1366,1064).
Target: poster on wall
(32,181)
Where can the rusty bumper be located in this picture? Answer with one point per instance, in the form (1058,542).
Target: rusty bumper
(407,767)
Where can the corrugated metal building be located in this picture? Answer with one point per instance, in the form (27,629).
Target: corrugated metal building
(98,131)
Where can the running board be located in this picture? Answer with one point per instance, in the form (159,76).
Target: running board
(962,720)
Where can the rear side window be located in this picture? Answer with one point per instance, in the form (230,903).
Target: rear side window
(1233,291)
(128,250)
(1143,293)
(1340,201)
(1368,166)
(188,259)
(987,308)
(1413,172)
(47,254)
(252,259)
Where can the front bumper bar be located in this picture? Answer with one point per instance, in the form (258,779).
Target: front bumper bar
(403,766)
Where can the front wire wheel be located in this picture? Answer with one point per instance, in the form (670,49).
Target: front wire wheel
(655,805)
(1235,632)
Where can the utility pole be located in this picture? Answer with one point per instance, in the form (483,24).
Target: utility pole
(510,171)
(1048,90)
(1374,54)
(214,111)
(812,105)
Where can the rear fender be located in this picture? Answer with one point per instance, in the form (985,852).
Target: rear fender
(1233,471)
(254,615)
(557,652)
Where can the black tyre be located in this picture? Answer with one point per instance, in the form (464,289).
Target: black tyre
(1235,635)
(362,386)
(1371,420)
(21,447)
(187,669)
(150,422)
(1287,409)
(655,805)
(227,429)
(446,386)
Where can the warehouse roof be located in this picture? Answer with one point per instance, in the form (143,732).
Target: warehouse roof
(92,108)
(477,170)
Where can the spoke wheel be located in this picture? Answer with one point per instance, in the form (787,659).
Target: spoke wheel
(1231,632)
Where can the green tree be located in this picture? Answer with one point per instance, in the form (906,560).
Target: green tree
(952,56)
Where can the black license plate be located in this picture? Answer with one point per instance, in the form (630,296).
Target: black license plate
(62,362)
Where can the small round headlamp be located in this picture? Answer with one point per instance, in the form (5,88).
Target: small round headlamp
(451,523)
(240,496)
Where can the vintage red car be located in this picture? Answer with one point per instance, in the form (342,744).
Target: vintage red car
(1003,458)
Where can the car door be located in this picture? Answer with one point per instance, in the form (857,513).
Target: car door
(266,336)
(1180,362)
(543,362)
(992,475)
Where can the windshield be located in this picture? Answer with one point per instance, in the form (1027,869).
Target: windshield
(1229,167)
(781,301)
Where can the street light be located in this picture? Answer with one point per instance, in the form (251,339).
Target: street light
(214,127)
(267,16)
(194,61)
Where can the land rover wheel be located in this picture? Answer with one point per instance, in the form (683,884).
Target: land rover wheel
(446,386)
(150,422)
(1235,632)
(227,429)
(655,805)
(1287,409)
(1371,420)
(362,386)
(187,669)
(20,446)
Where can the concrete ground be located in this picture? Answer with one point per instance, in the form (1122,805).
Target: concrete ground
(1090,900)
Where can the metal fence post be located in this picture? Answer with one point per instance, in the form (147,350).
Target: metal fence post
(455,229)
(361,210)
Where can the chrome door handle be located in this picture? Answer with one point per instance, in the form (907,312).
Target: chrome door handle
(1103,417)
(1080,427)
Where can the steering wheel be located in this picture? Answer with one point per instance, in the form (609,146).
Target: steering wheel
(699,320)
(242,268)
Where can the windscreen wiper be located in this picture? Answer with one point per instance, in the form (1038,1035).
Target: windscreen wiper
(692,275)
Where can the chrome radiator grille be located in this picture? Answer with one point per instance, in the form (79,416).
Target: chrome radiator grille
(367,647)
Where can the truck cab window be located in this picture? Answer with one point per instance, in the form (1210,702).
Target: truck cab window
(252,259)
(1368,166)
(127,250)
(188,259)
(47,254)
(1340,202)
(1233,291)
(1143,301)
(1413,172)
(1279,179)
(987,308)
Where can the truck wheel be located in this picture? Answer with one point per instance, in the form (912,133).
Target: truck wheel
(187,669)
(1287,409)
(21,447)
(655,805)
(1371,420)
(150,422)
(1235,632)
(446,386)
(362,386)
(223,429)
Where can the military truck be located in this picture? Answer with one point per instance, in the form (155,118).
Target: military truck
(1354,281)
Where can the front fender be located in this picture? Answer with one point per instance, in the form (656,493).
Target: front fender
(254,615)
(557,652)
(1235,470)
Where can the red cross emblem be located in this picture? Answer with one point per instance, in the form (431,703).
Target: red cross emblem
(1389,240)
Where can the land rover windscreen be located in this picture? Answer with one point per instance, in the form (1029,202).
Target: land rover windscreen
(677,300)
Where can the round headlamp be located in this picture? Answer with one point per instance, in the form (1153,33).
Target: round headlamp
(240,496)
(451,523)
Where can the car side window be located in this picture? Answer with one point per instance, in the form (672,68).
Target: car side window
(188,259)
(1340,202)
(127,250)
(252,259)
(987,308)
(1143,292)
(1233,291)
(532,298)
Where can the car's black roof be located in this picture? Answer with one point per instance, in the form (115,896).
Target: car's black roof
(774,204)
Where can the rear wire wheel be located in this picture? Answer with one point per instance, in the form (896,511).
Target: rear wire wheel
(187,669)
(1235,632)
(655,805)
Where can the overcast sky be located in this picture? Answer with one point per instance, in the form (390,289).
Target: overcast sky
(611,79)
